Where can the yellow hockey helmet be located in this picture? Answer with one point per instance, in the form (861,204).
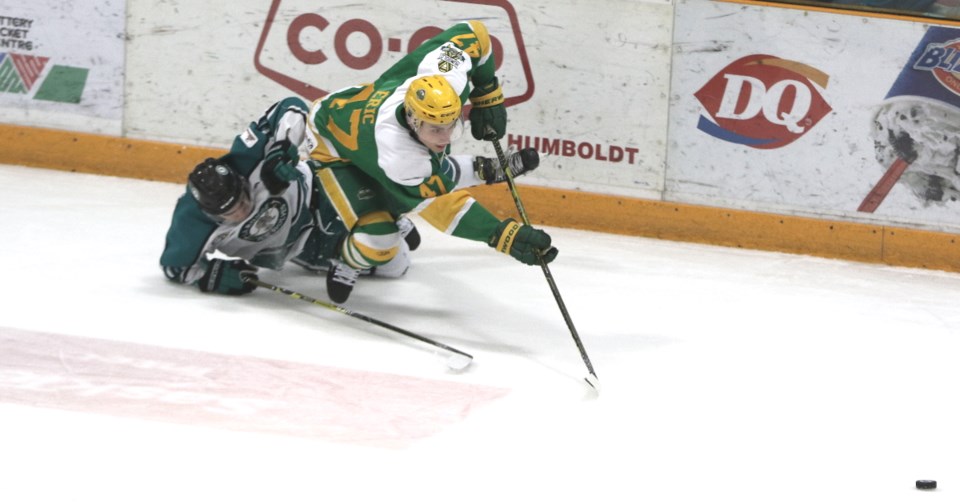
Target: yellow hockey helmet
(431,99)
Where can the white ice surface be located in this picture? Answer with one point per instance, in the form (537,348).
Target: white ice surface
(727,375)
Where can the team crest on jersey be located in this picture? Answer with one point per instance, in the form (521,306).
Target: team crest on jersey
(450,58)
(268,220)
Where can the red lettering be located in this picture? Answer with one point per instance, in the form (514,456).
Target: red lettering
(550,146)
(616,154)
(367,30)
(373,37)
(427,32)
(516,141)
(497,52)
(299,24)
(585,153)
(570,148)
(600,156)
(422,35)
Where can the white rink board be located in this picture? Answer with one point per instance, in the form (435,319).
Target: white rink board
(609,98)
(828,170)
(594,91)
(49,45)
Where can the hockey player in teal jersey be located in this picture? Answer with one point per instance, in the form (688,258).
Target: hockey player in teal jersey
(384,151)
(256,206)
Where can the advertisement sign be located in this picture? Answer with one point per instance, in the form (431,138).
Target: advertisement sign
(761,122)
(61,65)
(916,132)
(314,51)
(763,102)
(590,97)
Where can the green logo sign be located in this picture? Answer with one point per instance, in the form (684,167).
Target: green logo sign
(20,74)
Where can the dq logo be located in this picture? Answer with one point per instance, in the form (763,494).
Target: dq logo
(312,47)
(763,101)
(943,61)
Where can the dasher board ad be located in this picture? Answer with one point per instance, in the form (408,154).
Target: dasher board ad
(61,64)
(590,97)
(787,111)
(568,90)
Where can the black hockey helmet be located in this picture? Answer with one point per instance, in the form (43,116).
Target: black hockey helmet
(215,186)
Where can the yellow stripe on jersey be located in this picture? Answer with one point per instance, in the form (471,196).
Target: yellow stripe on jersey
(369,255)
(331,187)
(365,250)
(483,36)
(325,152)
(375,218)
(444,211)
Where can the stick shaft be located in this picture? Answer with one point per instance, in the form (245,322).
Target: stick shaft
(345,311)
(543,264)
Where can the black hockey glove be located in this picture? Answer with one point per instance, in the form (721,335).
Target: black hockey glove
(224,277)
(520,162)
(488,117)
(522,242)
(280,167)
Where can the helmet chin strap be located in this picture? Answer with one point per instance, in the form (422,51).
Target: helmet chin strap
(412,121)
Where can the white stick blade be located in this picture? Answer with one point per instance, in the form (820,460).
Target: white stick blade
(459,362)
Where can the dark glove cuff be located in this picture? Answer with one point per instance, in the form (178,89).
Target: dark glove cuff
(502,238)
(210,281)
(489,95)
(487,87)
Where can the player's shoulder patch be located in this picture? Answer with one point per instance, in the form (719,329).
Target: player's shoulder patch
(248,137)
(450,57)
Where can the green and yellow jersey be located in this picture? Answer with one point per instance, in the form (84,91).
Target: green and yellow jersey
(363,128)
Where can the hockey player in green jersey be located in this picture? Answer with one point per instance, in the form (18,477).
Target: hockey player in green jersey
(384,151)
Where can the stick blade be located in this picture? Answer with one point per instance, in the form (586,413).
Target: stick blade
(593,381)
(459,362)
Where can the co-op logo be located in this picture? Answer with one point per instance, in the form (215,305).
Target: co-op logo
(763,102)
(943,61)
(314,47)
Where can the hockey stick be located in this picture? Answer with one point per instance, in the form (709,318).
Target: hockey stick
(592,379)
(458,361)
